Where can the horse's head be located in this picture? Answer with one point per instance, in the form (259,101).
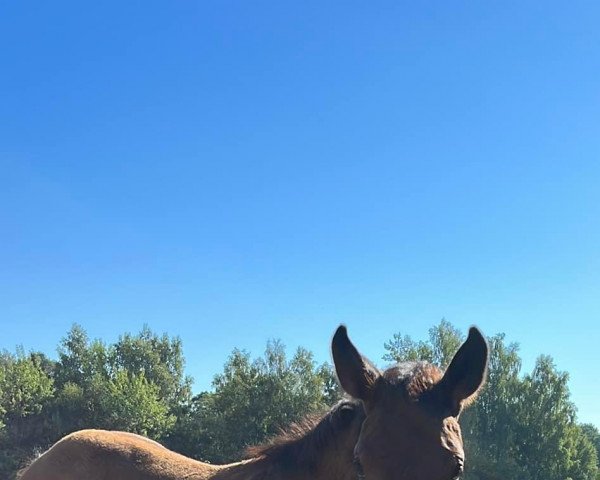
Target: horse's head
(411,429)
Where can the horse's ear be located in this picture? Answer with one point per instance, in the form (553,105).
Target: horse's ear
(466,373)
(356,374)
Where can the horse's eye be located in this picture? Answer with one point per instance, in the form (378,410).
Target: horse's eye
(359,469)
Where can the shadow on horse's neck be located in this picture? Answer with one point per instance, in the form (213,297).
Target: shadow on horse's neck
(316,449)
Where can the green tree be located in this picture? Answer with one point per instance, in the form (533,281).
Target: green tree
(79,360)
(99,384)
(130,402)
(24,386)
(158,358)
(547,438)
(489,425)
(25,392)
(593,435)
(2,380)
(81,363)
(190,434)
(444,340)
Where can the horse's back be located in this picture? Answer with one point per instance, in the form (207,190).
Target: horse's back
(103,455)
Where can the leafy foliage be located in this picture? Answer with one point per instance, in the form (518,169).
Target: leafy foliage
(25,392)
(444,340)
(130,402)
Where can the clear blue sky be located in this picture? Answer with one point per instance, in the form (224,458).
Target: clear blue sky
(234,171)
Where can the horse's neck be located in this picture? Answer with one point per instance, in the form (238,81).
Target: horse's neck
(335,464)
(334,461)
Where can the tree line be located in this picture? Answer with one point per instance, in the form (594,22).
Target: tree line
(523,425)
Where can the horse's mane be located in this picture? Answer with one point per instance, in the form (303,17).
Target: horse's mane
(303,442)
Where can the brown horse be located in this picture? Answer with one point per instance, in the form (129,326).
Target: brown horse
(400,424)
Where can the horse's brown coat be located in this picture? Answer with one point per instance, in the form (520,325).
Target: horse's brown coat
(401,425)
